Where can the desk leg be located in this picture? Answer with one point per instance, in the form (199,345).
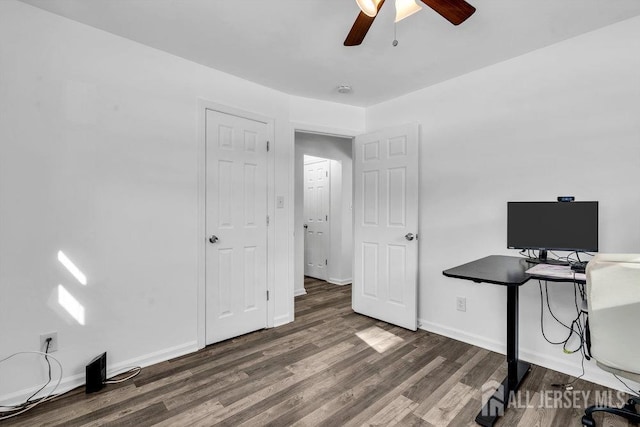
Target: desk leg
(512,336)
(516,369)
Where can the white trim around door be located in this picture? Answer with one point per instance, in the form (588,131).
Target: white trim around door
(203,106)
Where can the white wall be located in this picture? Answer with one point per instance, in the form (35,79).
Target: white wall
(559,121)
(326,117)
(341,253)
(99,158)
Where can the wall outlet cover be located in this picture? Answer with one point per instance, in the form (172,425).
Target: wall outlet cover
(461,304)
(53,345)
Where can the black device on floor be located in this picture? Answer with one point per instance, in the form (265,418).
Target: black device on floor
(96,374)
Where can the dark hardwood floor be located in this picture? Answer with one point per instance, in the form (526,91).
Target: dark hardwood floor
(330,367)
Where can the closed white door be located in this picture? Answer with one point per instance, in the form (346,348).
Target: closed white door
(316,218)
(386,225)
(236,226)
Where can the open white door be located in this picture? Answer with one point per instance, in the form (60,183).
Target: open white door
(386,225)
(236,226)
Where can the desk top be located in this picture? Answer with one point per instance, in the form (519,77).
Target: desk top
(504,270)
(497,269)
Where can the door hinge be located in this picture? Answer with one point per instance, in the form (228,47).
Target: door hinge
(326,217)
(325,262)
(267,145)
(326,173)
(267,220)
(267,295)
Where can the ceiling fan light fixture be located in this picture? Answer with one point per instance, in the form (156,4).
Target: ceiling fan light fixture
(405,8)
(368,7)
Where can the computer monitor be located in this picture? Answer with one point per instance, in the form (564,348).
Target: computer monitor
(562,226)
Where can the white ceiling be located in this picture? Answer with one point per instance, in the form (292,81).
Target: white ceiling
(295,46)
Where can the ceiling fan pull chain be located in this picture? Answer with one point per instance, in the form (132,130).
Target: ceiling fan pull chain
(395,36)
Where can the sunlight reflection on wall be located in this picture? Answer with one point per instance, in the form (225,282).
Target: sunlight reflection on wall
(69,303)
(71,267)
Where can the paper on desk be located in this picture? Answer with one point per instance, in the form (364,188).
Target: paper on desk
(556,271)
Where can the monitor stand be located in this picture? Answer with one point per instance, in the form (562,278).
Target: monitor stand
(542,259)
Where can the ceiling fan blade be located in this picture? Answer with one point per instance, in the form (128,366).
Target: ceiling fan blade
(454,11)
(360,28)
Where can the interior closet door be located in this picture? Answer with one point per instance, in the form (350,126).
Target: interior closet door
(236,226)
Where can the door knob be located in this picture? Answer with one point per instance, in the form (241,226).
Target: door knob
(306,226)
(409,236)
(213,239)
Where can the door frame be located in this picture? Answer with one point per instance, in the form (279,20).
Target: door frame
(203,106)
(296,269)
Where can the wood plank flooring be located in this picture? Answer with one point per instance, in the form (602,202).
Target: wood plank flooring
(331,367)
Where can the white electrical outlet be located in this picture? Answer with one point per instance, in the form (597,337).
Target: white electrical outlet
(461,303)
(53,345)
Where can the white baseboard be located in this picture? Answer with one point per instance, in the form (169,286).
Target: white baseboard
(156,357)
(299,292)
(561,364)
(340,282)
(463,336)
(72,381)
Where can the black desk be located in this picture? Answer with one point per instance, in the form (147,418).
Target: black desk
(510,272)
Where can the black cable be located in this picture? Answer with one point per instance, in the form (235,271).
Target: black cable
(581,289)
(634,392)
(571,259)
(578,288)
(21,408)
(565,385)
(578,333)
(526,253)
(575,328)
(558,257)
(577,323)
(546,290)
(46,352)
(542,317)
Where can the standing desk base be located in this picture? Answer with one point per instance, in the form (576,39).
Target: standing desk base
(496,404)
(510,272)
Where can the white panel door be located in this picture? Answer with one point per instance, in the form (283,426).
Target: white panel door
(316,218)
(386,225)
(236,226)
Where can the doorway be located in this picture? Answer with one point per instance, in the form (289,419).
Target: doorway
(383,240)
(338,249)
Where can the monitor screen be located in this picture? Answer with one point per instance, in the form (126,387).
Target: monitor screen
(563,226)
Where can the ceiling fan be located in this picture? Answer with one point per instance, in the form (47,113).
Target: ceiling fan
(454,11)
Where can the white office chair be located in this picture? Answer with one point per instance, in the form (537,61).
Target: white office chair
(613,297)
